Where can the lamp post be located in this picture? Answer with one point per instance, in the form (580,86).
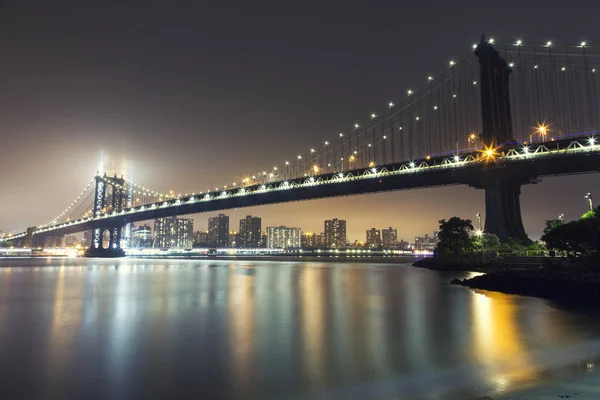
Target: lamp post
(479,219)
(589,198)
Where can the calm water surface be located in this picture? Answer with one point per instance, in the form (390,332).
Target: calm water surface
(98,329)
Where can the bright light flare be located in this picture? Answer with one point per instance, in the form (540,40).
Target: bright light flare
(489,152)
(542,129)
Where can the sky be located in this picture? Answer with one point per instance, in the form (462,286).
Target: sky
(201,93)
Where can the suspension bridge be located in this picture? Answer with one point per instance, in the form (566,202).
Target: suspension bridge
(499,118)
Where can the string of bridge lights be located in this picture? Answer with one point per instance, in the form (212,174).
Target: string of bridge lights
(452,64)
(53,221)
(270,175)
(409,92)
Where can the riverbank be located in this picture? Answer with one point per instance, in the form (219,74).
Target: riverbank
(322,259)
(461,264)
(586,387)
(558,281)
(568,284)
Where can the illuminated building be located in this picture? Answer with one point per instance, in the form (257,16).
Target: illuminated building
(373,238)
(283,237)
(141,237)
(53,241)
(389,237)
(87,238)
(218,231)
(335,233)
(173,232)
(263,240)
(311,240)
(71,241)
(234,240)
(426,242)
(250,236)
(201,239)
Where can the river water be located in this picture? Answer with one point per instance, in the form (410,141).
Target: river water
(132,328)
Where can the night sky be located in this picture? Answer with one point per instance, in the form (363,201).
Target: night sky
(196,93)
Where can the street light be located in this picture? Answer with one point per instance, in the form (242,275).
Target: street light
(479,219)
(589,198)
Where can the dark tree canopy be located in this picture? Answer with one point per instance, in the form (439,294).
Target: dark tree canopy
(454,237)
(551,224)
(576,238)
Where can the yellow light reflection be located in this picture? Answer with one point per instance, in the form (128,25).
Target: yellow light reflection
(498,343)
(241,315)
(313,314)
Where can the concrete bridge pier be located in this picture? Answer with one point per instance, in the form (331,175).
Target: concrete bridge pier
(503,206)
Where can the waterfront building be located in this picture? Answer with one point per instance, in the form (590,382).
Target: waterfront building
(283,237)
(233,241)
(173,232)
(426,242)
(311,240)
(373,238)
(335,233)
(141,237)
(250,234)
(263,240)
(71,241)
(389,237)
(218,231)
(201,239)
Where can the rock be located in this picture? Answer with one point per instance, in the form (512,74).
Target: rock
(456,282)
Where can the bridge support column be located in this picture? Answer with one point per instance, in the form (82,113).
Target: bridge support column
(503,207)
(113,249)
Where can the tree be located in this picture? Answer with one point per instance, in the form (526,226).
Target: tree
(454,237)
(551,224)
(489,241)
(576,238)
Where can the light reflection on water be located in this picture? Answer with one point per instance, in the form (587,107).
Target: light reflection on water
(233,330)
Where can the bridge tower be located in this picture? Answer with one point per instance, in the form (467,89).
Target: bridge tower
(109,193)
(502,190)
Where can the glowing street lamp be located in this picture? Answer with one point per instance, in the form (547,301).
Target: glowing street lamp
(588,197)
(542,130)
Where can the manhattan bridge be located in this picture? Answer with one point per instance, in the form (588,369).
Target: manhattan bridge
(501,117)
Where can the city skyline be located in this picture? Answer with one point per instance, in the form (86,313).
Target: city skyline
(389,231)
(180,136)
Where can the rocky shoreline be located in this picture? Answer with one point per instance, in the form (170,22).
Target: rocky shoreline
(569,284)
